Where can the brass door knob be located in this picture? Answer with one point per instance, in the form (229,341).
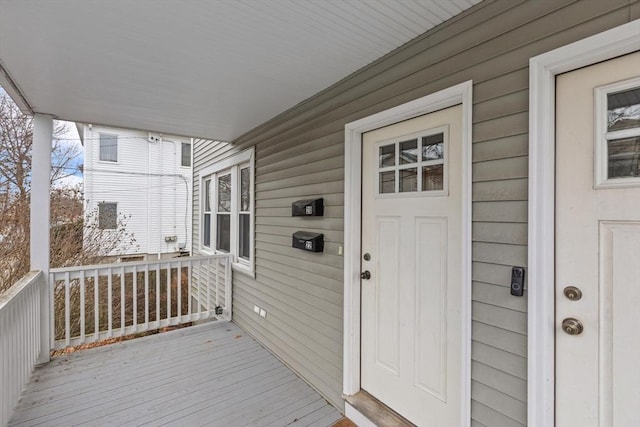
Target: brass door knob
(572,326)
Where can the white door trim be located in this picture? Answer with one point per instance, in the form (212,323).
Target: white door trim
(541,323)
(459,94)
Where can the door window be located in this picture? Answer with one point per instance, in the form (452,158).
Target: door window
(617,140)
(414,164)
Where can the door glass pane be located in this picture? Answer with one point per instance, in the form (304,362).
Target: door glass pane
(243,231)
(624,157)
(623,110)
(223,232)
(433,147)
(408,180)
(244,189)
(387,182)
(387,155)
(432,178)
(409,151)
(224,193)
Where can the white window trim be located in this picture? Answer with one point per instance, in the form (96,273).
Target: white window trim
(601,136)
(459,94)
(541,305)
(246,157)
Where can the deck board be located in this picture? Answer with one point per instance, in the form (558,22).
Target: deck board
(212,374)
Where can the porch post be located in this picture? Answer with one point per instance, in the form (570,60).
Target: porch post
(40,206)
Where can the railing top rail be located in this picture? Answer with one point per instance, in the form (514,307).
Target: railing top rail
(138,263)
(19,287)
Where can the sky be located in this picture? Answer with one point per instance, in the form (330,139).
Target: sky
(70,137)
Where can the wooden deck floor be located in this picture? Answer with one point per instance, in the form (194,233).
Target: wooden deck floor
(212,374)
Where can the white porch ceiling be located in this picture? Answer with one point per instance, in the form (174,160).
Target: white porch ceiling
(213,69)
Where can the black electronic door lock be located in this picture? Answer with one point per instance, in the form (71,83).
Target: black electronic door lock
(517,281)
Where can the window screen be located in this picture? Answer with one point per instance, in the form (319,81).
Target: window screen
(107,216)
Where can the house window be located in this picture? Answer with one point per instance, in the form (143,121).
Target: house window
(228,209)
(206,232)
(107,216)
(186,154)
(108,148)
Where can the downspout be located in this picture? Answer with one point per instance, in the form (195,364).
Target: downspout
(148,251)
(160,198)
(175,175)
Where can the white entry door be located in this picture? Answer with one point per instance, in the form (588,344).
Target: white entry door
(411,254)
(598,245)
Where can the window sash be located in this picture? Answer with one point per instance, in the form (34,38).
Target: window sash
(108,148)
(186,155)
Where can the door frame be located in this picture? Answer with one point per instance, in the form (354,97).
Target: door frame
(541,296)
(459,94)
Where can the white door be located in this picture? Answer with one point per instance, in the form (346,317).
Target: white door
(598,245)
(411,246)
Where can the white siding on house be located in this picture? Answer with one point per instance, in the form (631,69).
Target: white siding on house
(149,184)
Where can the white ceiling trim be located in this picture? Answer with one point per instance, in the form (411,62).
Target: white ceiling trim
(212,69)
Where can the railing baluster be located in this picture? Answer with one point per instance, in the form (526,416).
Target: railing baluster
(82,308)
(96,307)
(123,302)
(67,310)
(168,291)
(109,303)
(134,312)
(200,289)
(158,294)
(146,295)
(217,284)
(208,307)
(189,284)
(179,280)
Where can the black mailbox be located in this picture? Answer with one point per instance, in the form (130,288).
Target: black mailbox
(310,207)
(308,241)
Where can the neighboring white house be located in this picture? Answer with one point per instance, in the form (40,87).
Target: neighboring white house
(144,179)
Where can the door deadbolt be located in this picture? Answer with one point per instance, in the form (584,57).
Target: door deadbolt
(367,256)
(366,275)
(572,326)
(573,293)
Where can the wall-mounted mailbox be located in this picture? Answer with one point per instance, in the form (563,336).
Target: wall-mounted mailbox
(313,242)
(310,207)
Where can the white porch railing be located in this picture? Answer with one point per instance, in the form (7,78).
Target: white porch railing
(20,337)
(97,302)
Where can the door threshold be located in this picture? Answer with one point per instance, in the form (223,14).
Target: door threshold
(368,408)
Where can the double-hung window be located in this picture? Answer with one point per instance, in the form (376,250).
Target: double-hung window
(228,208)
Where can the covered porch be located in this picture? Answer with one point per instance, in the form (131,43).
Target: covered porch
(211,374)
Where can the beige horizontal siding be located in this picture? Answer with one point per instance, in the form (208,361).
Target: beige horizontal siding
(300,154)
